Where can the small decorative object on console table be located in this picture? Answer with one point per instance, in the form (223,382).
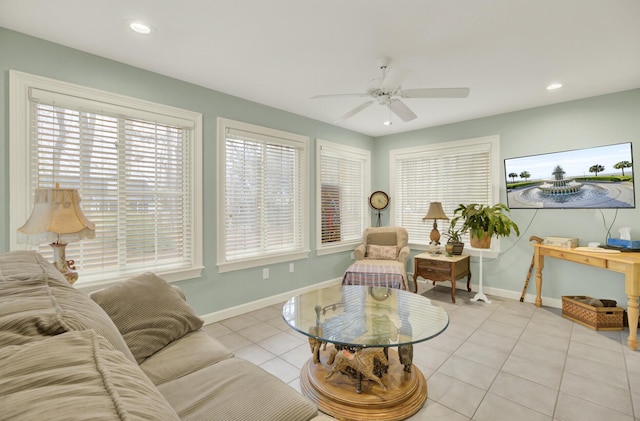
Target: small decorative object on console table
(455,239)
(57,217)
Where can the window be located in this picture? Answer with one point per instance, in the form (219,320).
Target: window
(262,196)
(343,175)
(134,165)
(466,171)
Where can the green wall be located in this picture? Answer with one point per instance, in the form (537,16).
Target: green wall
(606,119)
(213,291)
(590,122)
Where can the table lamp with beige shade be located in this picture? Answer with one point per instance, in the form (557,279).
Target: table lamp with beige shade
(435,212)
(57,218)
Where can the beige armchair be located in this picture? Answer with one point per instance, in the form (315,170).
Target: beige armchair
(385,236)
(382,256)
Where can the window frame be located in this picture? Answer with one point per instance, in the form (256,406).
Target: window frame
(491,142)
(21,196)
(272,258)
(354,154)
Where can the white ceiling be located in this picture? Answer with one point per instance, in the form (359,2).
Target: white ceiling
(282,52)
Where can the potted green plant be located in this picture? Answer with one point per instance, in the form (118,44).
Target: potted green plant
(455,239)
(484,222)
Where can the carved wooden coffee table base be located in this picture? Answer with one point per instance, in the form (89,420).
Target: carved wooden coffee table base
(336,396)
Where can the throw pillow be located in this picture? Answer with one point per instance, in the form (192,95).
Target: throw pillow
(382,252)
(79,312)
(76,376)
(148,312)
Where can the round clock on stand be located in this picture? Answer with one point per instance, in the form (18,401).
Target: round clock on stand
(379,201)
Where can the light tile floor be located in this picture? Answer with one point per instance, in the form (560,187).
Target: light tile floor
(501,361)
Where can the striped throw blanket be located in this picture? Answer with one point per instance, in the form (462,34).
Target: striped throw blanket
(376,275)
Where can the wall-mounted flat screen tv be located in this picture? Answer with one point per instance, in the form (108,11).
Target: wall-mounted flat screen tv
(590,178)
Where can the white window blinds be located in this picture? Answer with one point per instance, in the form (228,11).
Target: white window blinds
(133,179)
(136,165)
(264,195)
(343,186)
(451,175)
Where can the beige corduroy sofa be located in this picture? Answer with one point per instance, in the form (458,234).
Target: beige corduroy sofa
(133,351)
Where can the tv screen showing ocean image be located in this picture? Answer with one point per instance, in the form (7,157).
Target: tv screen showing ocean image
(589,178)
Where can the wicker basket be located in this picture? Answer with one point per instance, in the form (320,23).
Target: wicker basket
(598,318)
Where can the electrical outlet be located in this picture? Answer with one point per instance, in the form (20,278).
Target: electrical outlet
(265,273)
(291,267)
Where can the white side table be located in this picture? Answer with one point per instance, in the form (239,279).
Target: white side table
(480,294)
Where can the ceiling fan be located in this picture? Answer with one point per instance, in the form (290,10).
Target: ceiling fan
(386,90)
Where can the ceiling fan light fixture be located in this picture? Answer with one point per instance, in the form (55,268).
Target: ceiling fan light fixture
(140,27)
(387,91)
(554,86)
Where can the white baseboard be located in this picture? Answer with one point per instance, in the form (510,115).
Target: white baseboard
(264,302)
(512,295)
(279,298)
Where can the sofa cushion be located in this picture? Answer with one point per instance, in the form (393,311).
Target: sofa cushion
(384,238)
(55,306)
(148,312)
(235,390)
(190,353)
(382,252)
(27,312)
(76,376)
(25,265)
(79,312)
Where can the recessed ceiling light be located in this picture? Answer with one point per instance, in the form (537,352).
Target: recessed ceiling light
(387,123)
(140,27)
(554,86)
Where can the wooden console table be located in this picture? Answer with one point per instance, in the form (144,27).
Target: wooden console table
(627,263)
(439,267)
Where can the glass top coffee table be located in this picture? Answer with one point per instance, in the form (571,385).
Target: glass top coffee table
(355,371)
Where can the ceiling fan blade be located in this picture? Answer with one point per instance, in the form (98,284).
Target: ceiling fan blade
(339,95)
(435,93)
(355,110)
(393,79)
(401,110)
